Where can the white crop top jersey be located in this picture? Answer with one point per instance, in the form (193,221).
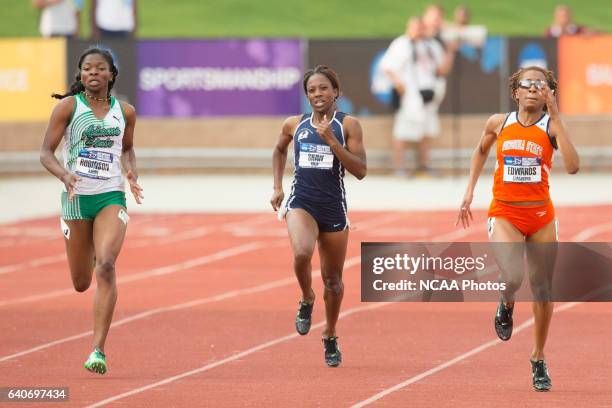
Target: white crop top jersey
(92,148)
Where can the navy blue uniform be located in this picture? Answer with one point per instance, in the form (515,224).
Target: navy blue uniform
(318,184)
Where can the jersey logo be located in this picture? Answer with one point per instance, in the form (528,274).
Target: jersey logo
(303,134)
(541,213)
(65,228)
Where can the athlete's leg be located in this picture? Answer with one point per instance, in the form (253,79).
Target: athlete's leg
(109,232)
(78,237)
(303,232)
(507,242)
(332,249)
(541,261)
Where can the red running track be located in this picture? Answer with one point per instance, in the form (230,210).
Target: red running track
(205,318)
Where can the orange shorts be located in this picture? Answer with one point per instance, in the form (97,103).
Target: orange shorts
(528,220)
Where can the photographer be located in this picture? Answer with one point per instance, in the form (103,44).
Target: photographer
(413,63)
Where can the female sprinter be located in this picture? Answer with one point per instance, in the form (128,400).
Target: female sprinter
(98,133)
(326,142)
(521,210)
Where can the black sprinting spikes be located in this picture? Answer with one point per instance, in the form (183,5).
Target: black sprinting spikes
(503,321)
(305,310)
(304,318)
(541,379)
(333,356)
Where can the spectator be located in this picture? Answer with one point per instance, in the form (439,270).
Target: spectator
(413,63)
(59,18)
(433,18)
(563,24)
(113,19)
(462,31)
(461,16)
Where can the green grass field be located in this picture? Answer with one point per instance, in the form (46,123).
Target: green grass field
(314,18)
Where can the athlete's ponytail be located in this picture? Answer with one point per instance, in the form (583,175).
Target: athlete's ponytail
(77,86)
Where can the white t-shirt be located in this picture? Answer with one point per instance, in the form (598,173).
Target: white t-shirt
(59,19)
(415,62)
(115,15)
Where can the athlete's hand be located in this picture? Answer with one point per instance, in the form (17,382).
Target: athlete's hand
(134,187)
(70,179)
(324,129)
(551,101)
(277,198)
(465,214)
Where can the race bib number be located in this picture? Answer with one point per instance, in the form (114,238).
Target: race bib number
(316,156)
(94,164)
(522,169)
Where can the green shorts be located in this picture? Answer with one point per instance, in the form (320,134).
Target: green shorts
(86,207)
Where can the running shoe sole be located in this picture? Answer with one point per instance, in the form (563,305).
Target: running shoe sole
(95,364)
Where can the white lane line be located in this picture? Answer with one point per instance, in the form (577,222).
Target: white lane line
(185,305)
(227,295)
(457,359)
(136,242)
(164,270)
(257,219)
(49,233)
(592,231)
(193,303)
(452,362)
(350,262)
(229,359)
(32,263)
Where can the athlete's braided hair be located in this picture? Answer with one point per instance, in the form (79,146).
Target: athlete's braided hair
(513,81)
(77,86)
(323,70)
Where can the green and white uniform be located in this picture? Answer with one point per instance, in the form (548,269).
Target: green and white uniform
(92,150)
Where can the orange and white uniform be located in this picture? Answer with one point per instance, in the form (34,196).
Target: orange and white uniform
(524,160)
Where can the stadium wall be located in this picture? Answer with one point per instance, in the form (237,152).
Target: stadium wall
(218,104)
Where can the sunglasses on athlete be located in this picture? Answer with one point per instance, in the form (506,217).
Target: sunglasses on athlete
(527,83)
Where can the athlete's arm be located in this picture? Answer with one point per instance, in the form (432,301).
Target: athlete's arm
(479,157)
(60,117)
(353,157)
(557,130)
(279,159)
(128,156)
